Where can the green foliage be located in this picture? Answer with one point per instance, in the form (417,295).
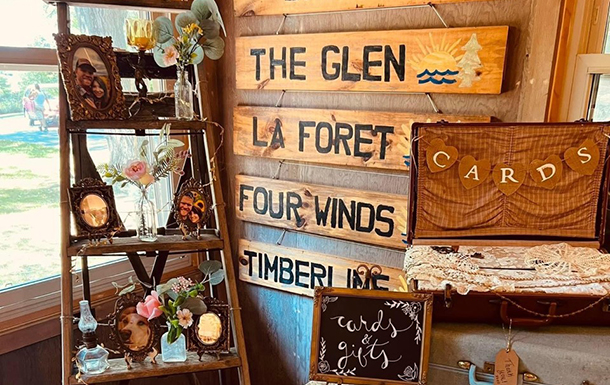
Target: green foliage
(163,29)
(10,101)
(184,19)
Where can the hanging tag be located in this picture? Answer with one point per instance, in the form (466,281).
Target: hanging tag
(507,368)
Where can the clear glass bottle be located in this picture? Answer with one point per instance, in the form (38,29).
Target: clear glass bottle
(146,217)
(183,95)
(174,352)
(91,359)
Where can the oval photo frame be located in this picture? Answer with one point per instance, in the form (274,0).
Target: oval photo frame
(81,57)
(133,334)
(204,336)
(192,206)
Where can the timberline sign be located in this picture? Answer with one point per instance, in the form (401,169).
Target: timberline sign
(281,7)
(346,138)
(449,60)
(300,271)
(355,215)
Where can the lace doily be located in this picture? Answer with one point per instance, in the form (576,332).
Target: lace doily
(548,268)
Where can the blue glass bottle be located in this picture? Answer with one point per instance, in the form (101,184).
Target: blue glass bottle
(91,359)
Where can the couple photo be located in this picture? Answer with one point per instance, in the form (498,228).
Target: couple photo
(91,78)
(192,207)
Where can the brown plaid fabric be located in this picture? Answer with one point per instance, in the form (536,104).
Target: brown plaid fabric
(446,209)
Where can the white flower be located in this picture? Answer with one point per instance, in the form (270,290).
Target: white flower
(185,318)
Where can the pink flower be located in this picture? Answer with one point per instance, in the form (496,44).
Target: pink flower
(135,170)
(170,56)
(150,307)
(185,318)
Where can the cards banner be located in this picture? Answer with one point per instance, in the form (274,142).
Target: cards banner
(449,60)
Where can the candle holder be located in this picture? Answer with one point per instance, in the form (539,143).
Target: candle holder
(140,36)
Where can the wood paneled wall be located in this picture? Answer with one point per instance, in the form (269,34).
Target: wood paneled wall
(278,324)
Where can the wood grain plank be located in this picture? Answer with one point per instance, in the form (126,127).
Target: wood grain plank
(355,215)
(337,137)
(157,5)
(455,60)
(164,243)
(118,369)
(280,7)
(300,271)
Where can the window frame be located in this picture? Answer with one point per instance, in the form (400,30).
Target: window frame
(39,301)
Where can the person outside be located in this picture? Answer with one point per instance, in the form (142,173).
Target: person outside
(40,100)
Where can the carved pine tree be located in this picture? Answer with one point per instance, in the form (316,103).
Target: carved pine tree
(470,62)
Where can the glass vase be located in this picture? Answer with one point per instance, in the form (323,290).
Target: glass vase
(183,95)
(146,217)
(174,352)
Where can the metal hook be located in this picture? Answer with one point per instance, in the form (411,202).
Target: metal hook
(281,238)
(279,167)
(282,24)
(434,106)
(280,99)
(438,14)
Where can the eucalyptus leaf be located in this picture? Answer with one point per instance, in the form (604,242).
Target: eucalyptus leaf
(214,48)
(211,29)
(209,267)
(163,29)
(195,305)
(127,289)
(213,7)
(217,277)
(172,294)
(201,10)
(172,143)
(184,19)
(167,286)
(198,55)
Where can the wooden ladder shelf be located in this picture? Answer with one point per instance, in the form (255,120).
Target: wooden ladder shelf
(214,241)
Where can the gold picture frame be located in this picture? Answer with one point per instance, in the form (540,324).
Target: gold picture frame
(204,336)
(91,77)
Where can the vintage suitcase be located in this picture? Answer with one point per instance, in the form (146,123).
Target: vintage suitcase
(514,215)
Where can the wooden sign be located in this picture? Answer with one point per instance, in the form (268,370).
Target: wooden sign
(449,60)
(300,271)
(370,337)
(355,215)
(338,137)
(287,7)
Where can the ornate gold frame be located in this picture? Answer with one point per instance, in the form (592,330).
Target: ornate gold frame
(84,188)
(67,45)
(151,349)
(223,344)
(187,227)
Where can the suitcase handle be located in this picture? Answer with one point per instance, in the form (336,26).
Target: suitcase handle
(527,322)
(472,377)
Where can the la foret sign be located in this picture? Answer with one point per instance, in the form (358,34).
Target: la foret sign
(338,137)
(355,215)
(281,7)
(450,60)
(300,271)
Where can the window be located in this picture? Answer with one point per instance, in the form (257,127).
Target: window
(585,90)
(29,159)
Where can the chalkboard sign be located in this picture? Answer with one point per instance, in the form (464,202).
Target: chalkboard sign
(370,337)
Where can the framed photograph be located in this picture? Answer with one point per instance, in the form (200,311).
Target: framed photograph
(93,209)
(91,77)
(192,207)
(135,336)
(390,329)
(211,331)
